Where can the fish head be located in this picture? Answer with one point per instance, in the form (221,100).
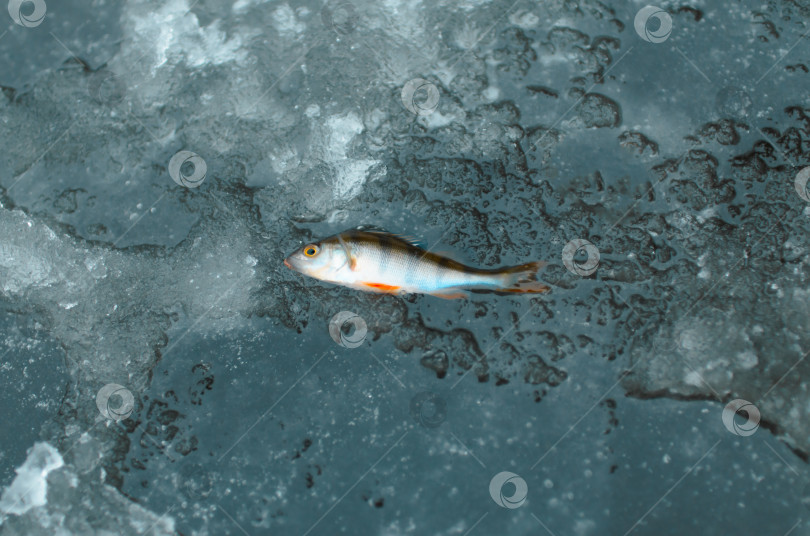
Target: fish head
(318,259)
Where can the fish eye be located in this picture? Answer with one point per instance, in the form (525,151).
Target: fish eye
(311,250)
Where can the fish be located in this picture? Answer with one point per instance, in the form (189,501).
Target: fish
(381,262)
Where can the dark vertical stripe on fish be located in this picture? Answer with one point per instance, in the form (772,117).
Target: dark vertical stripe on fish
(372,242)
(443,265)
(386,251)
(410,259)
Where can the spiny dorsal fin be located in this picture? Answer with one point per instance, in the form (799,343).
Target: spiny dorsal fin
(372,229)
(412,241)
(379,230)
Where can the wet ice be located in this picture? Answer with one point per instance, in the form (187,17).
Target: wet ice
(179,294)
(29,488)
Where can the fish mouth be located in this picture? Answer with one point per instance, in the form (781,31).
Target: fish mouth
(287,264)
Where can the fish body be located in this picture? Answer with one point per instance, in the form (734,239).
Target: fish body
(376,261)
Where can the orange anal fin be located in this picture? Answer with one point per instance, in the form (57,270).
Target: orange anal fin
(450,294)
(382,287)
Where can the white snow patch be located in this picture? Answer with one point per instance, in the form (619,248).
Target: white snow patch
(436,120)
(470,5)
(350,173)
(524,19)
(173,31)
(343,130)
(693,378)
(492,93)
(95,265)
(549,60)
(747,359)
(29,488)
(706,213)
(704,273)
(689,339)
(284,158)
(22,268)
(240,6)
(286,22)
(469,36)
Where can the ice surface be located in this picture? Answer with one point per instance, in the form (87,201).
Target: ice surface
(49,498)
(554,121)
(30,486)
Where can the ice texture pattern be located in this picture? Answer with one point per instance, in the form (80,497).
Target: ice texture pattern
(163,373)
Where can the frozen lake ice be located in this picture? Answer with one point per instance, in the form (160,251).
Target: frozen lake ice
(164,373)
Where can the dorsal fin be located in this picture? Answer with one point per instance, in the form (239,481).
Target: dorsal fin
(411,240)
(378,230)
(371,229)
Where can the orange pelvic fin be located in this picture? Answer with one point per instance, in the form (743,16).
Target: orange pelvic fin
(382,287)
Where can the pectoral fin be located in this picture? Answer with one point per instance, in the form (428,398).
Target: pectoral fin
(351,259)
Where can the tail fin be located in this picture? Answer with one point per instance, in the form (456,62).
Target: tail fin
(522,279)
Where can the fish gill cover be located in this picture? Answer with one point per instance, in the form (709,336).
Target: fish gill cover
(165,374)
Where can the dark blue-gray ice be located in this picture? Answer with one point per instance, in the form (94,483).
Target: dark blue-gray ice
(164,373)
